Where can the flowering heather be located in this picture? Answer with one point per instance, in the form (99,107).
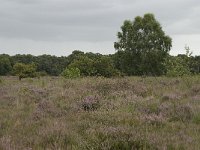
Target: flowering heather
(90,103)
(100,113)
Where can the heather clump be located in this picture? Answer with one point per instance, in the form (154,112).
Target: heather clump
(38,94)
(171,96)
(151,108)
(195,89)
(90,103)
(182,113)
(46,108)
(153,119)
(104,88)
(140,89)
(176,112)
(123,84)
(196,98)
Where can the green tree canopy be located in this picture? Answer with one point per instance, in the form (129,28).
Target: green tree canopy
(5,65)
(25,70)
(145,46)
(84,64)
(105,67)
(94,65)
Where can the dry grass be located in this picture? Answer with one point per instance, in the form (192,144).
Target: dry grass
(100,113)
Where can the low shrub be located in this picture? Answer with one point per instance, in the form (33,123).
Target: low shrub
(90,103)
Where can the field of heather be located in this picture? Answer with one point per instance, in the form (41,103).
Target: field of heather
(100,113)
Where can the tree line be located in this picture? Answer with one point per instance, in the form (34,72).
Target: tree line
(142,49)
(91,64)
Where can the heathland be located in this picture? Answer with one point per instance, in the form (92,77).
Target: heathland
(100,113)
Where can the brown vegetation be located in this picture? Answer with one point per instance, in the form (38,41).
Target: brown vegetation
(100,113)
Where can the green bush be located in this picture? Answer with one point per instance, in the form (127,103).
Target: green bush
(85,65)
(178,66)
(25,70)
(71,73)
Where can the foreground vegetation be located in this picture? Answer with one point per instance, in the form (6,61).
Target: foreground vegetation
(100,113)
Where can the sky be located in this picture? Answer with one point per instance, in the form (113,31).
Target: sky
(58,27)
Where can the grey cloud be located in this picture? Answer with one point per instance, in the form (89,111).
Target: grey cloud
(91,21)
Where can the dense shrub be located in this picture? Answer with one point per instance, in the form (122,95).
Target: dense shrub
(25,70)
(71,73)
(180,65)
(85,65)
(177,67)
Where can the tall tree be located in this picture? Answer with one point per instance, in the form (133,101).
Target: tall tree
(144,44)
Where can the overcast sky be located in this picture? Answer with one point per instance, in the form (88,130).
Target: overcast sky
(57,27)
